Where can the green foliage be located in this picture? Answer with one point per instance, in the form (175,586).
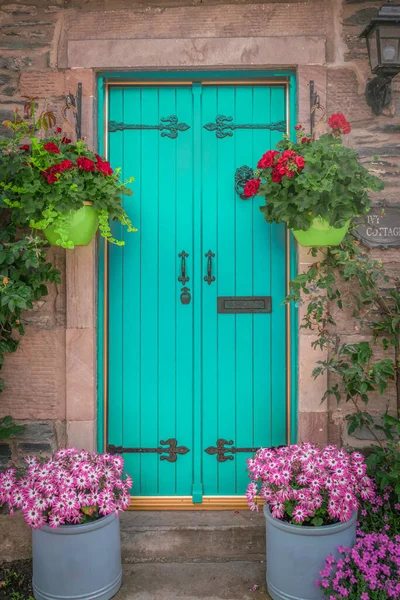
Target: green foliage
(385,462)
(352,280)
(16,585)
(333,185)
(41,181)
(9,428)
(24,272)
(384,466)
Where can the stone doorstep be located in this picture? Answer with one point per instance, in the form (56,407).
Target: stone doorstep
(192,537)
(199,581)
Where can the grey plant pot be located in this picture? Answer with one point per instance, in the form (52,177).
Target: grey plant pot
(295,555)
(77,562)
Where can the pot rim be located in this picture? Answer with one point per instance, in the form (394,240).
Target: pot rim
(81,527)
(308,529)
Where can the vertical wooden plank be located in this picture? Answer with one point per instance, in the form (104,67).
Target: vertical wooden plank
(278,269)
(227,367)
(209,292)
(197,490)
(149,291)
(167,291)
(244,273)
(116,322)
(182,207)
(263,257)
(131,301)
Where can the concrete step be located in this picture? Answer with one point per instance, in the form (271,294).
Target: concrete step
(194,581)
(192,536)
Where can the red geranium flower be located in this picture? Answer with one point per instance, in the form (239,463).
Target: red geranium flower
(267,160)
(50,147)
(65,164)
(58,130)
(85,163)
(276,176)
(65,140)
(300,162)
(287,154)
(104,167)
(298,127)
(338,123)
(25,148)
(251,188)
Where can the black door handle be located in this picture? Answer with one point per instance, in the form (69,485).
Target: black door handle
(209,277)
(183,277)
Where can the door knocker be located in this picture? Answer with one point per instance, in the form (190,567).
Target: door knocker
(185,295)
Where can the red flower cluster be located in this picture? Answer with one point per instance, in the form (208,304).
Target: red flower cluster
(51,173)
(65,140)
(251,188)
(267,160)
(103,166)
(286,164)
(25,148)
(51,147)
(338,123)
(85,164)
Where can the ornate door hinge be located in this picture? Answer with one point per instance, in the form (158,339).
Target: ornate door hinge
(224,126)
(171,451)
(169,126)
(220,450)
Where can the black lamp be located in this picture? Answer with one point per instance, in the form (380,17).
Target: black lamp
(383,42)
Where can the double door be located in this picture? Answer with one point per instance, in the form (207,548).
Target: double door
(197,331)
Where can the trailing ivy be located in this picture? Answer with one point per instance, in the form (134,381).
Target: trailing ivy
(9,428)
(353,280)
(24,273)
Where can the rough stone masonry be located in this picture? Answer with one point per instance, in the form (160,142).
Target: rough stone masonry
(48,46)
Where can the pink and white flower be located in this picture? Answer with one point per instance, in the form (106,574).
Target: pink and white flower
(71,487)
(304,484)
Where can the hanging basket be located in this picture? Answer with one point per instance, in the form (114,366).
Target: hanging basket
(321,234)
(81,226)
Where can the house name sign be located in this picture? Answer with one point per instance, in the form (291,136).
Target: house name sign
(381,227)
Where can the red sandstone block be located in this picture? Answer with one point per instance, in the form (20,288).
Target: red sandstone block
(34,377)
(42,84)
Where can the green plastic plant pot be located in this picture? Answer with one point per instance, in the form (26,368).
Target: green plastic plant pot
(82,226)
(321,234)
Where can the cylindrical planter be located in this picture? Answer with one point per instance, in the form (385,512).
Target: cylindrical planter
(77,562)
(81,226)
(321,234)
(296,555)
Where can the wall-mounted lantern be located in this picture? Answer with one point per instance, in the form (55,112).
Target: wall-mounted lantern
(383,42)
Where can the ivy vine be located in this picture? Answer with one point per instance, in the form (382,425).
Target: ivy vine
(350,278)
(24,273)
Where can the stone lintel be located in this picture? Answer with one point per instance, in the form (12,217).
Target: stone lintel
(285,51)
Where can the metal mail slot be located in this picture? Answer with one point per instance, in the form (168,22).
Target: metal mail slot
(244,304)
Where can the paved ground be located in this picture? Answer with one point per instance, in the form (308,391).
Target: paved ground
(193,581)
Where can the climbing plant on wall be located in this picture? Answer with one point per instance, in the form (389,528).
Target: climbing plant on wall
(24,273)
(351,279)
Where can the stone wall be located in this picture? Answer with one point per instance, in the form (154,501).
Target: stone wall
(48,46)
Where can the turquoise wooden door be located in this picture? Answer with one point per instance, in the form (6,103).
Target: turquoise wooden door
(196,380)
